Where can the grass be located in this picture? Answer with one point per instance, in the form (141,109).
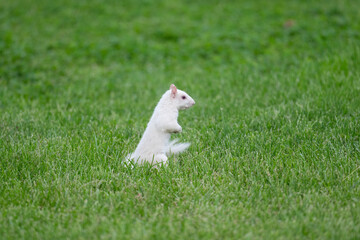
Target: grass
(275,131)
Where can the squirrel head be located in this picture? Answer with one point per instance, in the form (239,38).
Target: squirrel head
(180,98)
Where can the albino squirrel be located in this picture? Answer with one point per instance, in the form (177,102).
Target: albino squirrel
(155,145)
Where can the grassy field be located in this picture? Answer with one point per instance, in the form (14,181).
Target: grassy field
(275,132)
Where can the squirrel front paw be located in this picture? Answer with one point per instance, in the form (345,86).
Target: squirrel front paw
(178,129)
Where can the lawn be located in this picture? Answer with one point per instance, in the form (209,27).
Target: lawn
(275,130)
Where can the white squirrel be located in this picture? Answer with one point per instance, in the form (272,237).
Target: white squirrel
(155,145)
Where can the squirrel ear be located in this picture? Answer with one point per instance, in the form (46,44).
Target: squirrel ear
(173,90)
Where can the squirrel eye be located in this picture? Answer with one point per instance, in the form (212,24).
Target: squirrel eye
(183,97)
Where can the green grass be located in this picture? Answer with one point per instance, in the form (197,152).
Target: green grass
(275,132)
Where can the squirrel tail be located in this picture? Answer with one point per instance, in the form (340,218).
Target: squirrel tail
(175,148)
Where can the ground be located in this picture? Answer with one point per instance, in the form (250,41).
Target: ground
(275,129)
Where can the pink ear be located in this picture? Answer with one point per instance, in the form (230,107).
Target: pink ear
(173,90)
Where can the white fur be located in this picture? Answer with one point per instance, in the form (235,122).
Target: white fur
(155,145)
